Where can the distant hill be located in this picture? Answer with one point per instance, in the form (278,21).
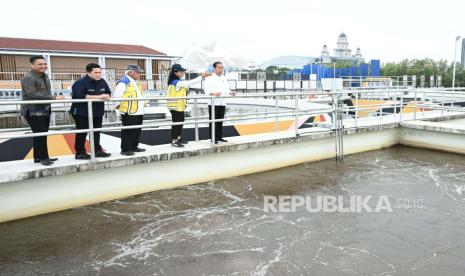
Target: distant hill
(287,61)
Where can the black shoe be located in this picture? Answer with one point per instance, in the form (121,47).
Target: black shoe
(102,154)
(223,140)
(138,150)
(177,144)
(183,141)
(37,160)
(46,162)
(82,156)
(127,153)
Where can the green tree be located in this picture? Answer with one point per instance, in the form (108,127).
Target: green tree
(427,67)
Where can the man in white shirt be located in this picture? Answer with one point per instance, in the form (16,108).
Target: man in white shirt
(217,85)
(132,112)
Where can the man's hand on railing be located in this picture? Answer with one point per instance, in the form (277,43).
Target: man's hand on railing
(105,97)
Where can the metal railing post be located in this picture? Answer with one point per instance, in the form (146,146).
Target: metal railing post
(336,126)
(442,104)
(401,106)
(356,107)
(196,118)
(381,113)
(296,112)
(91,130)
(276,118)
(415,107)
(424,101)
(213,122)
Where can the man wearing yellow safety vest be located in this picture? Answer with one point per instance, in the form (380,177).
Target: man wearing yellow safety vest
(132,111)
(177,87)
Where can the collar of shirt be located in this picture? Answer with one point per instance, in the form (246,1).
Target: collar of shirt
(216,76)
(136,87)
(41,75)
(89,79)
(134,83)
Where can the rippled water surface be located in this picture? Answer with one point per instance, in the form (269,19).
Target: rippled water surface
(220,228)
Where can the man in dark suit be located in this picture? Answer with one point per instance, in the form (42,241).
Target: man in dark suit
(92,86)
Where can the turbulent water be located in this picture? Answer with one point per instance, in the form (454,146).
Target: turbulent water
(221,228)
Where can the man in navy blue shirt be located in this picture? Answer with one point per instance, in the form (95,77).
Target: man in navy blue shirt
(92,86)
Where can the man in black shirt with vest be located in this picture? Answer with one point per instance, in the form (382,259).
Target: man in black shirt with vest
(92,86)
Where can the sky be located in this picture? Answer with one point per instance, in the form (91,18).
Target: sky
(255,30)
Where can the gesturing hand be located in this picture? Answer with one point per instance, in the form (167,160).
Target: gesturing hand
(205,74)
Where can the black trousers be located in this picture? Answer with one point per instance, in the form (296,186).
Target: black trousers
(219,114)
(130,137)
(39,124)
(176,116)
(82,122)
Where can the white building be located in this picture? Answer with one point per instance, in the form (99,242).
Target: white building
(341,52)
(325,57)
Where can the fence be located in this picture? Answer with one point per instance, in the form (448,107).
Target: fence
(339,112)
(240,81)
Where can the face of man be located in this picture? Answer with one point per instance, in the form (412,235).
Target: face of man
(39,66)
(134,75)
(95,74)
(219,69)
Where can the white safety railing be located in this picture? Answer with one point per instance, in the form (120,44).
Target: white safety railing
(337,110)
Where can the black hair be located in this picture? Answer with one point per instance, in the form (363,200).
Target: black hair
(172,76)
(33,59)
(91,66)
(216,63)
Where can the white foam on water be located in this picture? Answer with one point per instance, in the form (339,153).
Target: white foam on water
(460,189)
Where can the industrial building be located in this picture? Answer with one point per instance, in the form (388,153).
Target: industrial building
(67,59)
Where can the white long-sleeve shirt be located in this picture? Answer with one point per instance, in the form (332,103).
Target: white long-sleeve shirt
(121,87)
(214,84)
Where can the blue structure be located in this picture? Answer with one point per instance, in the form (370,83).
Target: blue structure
(375,65)
(323,71)
(364,72)
(327,71)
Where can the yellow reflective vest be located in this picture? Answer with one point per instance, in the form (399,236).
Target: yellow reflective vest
(176,104)
(131,107)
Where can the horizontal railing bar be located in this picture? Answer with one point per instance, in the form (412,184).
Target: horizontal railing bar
(144,126)
(242,95)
